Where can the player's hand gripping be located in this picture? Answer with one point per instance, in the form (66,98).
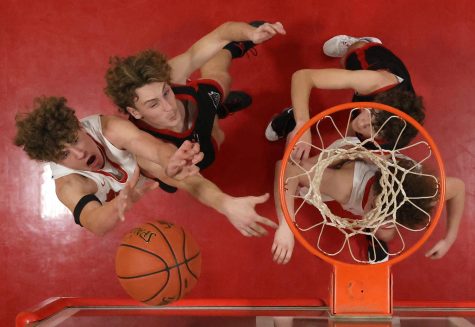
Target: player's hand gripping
(302,148)
(266,31)
(242,214)
(183,162)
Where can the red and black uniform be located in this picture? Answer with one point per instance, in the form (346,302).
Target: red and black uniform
(374,56)
(205,95)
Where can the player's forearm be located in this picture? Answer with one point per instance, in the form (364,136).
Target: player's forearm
(301,88)
(207,46)
(101,220)
(454,206)
(156,151)
(206,192)
(234,31)
(290,187)
(277,203)
(161,154)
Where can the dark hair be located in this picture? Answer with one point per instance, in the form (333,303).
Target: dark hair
(416,184)
(409,103)
(125,75)
(45,131)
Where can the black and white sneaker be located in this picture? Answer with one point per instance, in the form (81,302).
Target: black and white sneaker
(377,253)
(240,48)
(281,125)
(235,101)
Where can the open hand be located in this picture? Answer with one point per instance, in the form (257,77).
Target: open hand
(242,215)
(283,245)
(438,250)
(132,193)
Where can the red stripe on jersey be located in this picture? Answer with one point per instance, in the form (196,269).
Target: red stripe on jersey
(125,176)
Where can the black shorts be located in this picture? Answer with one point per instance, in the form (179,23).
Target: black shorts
(374,56)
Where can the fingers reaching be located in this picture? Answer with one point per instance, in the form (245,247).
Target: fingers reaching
(197,158)
(281,254)
(267,31)
(121,203)
(252,232)
(183,162)
(266,221)
(272,29)
(261,199)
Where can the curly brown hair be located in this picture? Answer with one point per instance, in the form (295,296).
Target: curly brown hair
(409,103)
(416,184)
(125,75)
(44,132)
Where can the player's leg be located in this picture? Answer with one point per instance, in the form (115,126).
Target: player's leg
(217,68)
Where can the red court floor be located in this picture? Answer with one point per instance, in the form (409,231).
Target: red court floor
(62,48)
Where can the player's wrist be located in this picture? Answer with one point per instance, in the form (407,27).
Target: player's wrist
(225,203)
(450,238)
(300,122)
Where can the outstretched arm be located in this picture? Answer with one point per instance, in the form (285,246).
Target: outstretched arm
(177,163)
(208,46)
(98,217)
(303,81)
(240,211)
(455,199)
(283,245)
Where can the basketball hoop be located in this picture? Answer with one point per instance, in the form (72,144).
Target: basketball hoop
(372,281)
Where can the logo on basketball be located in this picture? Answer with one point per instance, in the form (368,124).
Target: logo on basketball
(145,235)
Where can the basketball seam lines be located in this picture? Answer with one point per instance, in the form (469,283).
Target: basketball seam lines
(168,268)
(174,256)
(184,254)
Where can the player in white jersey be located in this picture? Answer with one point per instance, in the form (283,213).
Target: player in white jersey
(119,165)
(354,185)
(94,160)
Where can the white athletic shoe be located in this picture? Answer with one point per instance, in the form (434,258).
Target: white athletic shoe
(271,135)
(338,45)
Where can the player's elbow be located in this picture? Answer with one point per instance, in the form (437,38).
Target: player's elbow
(460,186)
(101,232)
(98,228)
(455,188)
(300,75)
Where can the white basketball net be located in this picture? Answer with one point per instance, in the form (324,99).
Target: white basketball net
(383,215)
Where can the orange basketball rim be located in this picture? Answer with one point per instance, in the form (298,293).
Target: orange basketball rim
(358,289)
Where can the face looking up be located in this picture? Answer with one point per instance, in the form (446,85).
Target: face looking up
(157,106)
(362,124)
(84,154)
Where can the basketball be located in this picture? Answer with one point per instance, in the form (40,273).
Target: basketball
(158,263)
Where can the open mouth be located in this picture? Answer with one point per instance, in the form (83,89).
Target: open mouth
(172,116)
(91,160)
